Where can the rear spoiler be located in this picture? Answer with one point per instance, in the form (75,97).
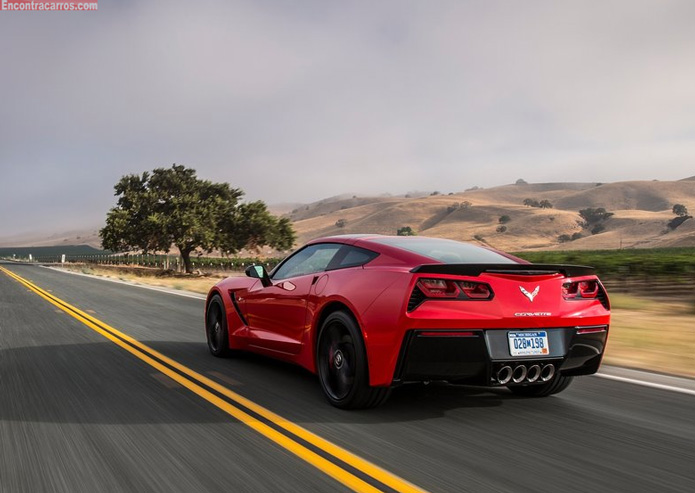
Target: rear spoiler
(512,269)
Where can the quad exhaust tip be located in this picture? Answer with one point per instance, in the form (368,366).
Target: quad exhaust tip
(504,375)
(547,373)
(533,374)
(521,374)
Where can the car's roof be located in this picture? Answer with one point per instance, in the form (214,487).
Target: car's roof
(422,249)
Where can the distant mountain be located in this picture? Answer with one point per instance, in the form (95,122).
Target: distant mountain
(88,237)
(640,211)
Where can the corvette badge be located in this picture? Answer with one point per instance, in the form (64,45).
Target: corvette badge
(532,295)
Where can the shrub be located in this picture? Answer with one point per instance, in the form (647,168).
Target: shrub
(504,219)
(501,229)
(680,210)
(594,215)
(405,231)
(340,223)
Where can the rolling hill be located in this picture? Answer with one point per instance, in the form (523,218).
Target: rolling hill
(641,211)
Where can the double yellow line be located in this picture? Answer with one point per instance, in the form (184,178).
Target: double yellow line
(203,386)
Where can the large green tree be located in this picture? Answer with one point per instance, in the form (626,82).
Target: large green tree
(172,206)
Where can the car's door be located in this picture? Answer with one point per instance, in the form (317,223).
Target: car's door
(276,314)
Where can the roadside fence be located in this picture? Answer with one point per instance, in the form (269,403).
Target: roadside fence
(164,262)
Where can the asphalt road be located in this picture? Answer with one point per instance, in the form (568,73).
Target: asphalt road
(78,413)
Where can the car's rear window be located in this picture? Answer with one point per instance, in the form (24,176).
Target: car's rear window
(446,251)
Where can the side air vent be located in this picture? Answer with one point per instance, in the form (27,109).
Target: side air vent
(603,297)
(232,295)
(416,297)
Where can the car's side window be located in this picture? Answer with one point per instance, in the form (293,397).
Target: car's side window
(314,258)
(351,256)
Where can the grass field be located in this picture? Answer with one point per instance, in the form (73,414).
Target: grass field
(611,263)
(649,334)
(652,334)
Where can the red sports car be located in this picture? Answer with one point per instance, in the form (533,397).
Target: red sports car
(368,312)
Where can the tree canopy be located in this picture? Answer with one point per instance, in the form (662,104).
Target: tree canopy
(680,210)
(593,215)
(172,206)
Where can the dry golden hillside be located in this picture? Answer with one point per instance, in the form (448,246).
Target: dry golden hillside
(641,211)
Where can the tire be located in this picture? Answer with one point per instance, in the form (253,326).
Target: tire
(556,385)
(216,328)
(341,362)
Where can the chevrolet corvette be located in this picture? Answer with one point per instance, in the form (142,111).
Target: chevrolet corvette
(367,313)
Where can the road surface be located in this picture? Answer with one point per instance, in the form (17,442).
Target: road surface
(81,412)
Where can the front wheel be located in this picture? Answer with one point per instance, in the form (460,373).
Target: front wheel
(557,384)
(216,328)
(342,365)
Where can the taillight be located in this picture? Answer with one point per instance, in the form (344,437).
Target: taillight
(476,290)
(438,288)
(588,289)
(580,289)
(448,289)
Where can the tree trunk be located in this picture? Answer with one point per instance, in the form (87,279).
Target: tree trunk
(186,257)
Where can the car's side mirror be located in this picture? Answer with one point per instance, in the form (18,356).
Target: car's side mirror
(258,272)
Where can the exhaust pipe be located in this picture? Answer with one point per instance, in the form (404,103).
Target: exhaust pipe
(519,374)
(533,374)
(547,373)
(504,375)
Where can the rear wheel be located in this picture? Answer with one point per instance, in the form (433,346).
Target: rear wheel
(342,365)
(216,328)
(557,384)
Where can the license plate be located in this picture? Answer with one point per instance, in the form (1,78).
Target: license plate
(528,343)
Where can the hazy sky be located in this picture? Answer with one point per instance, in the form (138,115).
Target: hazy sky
(294,101)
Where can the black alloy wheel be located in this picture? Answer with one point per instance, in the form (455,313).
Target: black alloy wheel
(216,328)
(342,365)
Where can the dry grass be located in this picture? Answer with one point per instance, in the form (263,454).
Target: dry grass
(646,334)
(195,284)
(652,335)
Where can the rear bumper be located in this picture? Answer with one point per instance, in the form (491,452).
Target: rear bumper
(475,357)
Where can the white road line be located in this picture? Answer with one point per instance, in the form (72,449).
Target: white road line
(185,294)
(647,384)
